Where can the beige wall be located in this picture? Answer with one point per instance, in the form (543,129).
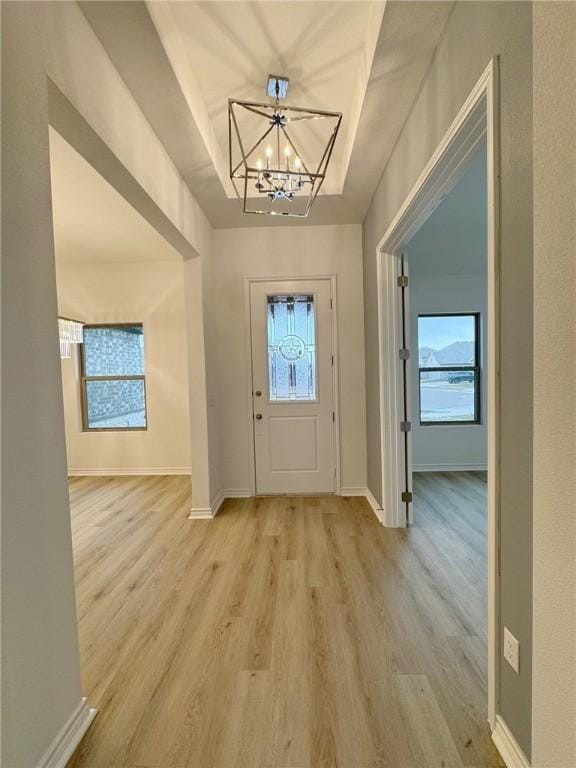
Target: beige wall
(475,32)
(554,654)
(288,252)
(151,293)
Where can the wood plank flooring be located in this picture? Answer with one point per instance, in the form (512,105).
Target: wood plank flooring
(288,632)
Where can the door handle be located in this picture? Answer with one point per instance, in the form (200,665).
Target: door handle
(258,416)
(258,393)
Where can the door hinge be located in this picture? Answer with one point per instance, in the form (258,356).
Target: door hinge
(402,281)
(407,496)
(332,359)
(333,416)
(405,426)
(404,354)
(330,303)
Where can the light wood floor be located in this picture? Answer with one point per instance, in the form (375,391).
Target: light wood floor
(287,632)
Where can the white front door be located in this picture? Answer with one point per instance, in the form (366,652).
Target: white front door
(292,386)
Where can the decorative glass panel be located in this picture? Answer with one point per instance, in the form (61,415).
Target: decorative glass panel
(291,348)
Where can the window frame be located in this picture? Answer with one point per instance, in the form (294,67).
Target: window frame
(84,379)
(476,369)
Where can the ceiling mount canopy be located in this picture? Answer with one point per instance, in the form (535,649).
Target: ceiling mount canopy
(279,154)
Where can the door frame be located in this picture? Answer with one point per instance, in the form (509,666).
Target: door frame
(476,122)
(249,373)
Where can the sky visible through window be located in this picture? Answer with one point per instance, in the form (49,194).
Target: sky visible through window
(448,380)
(438,332)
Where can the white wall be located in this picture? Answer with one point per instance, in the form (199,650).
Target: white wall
(288,252)
(448,267)
(458,446)
(151,293)
(41,685)
(474,33)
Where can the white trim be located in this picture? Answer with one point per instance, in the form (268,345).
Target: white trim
(370,498)
(63,746)
(478,119)
(209,513)
(508,747)
(390,394)
(127,471)
(217,503)
(450,467)
(201,513)
(237,493)
(335,368)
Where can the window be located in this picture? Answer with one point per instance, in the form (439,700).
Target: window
(112,371)
(449,368)
(291,348)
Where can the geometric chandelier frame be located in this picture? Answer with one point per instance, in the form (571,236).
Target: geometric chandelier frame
(287,181)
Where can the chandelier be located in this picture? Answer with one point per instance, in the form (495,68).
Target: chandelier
(69,332)
(279,154)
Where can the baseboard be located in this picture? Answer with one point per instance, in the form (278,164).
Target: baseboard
(370,498)
(63,746)
(131,472)
(508,747)
(209,513)
(201,513)
(449,467)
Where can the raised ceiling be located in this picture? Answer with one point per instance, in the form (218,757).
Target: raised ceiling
(326,49)
(184,60)
(92,221)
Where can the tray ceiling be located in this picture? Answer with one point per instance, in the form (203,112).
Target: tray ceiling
(183,60)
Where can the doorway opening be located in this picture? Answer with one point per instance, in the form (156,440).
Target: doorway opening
(438,347)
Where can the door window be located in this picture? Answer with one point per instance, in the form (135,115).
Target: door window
(291,348)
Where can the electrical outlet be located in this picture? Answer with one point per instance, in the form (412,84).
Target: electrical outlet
(511,650)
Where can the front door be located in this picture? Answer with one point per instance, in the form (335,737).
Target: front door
(292,386)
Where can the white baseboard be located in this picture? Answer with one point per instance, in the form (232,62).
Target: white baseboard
(63,746)
(209,513)
(370,498)
(115,472)
(508,747)
(449,467)
(201,513)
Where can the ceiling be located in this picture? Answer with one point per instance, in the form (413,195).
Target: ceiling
(454,240)
(92,222)
(183,60)
(232,47)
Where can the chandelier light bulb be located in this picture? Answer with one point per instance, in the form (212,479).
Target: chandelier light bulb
(297,163)
(259,164)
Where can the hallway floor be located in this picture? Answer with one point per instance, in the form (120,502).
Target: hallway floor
(289,631)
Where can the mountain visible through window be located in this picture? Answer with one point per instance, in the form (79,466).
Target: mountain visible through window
(449,369)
